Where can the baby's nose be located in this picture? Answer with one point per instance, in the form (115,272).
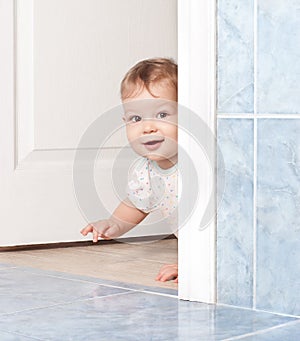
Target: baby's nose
(149,127)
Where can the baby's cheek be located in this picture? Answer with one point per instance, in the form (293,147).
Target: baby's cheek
(128,134)
(132,133)
(138,147)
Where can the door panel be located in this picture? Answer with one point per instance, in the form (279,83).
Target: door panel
(61,68)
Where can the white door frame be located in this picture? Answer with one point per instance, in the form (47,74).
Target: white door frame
(197,91)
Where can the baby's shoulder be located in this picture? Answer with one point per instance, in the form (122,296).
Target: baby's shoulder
(139,169)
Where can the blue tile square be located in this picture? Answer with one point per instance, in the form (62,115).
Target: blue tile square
(278,78)
(235,56)
(278,218)
(235,215)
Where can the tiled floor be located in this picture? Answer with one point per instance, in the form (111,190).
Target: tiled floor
(47,305)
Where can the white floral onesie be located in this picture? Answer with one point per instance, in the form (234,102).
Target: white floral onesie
(152,188)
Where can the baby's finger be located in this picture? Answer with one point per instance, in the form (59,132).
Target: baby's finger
(86,230)
(164,277)
(158,277)
(168,277)
(95,236)
(162,271)
(167,273)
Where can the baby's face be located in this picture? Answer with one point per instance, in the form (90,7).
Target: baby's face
(151,124)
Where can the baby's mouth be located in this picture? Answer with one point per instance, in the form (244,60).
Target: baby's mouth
(153,144)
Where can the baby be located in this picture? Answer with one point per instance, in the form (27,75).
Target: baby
(149,96)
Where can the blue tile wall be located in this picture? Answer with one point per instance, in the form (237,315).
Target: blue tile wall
(258,261)
(235,56)
(235,215)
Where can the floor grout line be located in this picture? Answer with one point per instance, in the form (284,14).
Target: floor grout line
(159,294)
(258,310)
(19,334)
(64,303)
(262,331)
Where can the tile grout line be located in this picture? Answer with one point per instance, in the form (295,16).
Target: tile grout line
(19,334)
(159,294)
(262,331)
(255,107)
(259,310)
(63,303)
(254,259)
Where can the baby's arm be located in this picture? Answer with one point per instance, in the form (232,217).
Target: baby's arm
(123,219)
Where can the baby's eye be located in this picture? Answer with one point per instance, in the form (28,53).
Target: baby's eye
(135,118)
(162,115)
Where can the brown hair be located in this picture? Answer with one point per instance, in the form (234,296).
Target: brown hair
(147,72)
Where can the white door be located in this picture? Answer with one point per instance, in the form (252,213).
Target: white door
(61,64)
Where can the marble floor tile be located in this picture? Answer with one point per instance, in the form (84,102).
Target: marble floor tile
(22,290)
(287,332)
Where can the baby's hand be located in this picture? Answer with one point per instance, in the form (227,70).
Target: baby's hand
(167,273)
(106,229)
